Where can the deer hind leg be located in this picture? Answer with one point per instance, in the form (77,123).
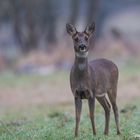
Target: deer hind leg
(105,104)
(91,103)
(78,107)
(112,94)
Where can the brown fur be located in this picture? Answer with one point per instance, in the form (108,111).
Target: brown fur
(90,80)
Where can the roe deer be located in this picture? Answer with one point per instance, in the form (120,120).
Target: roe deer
(92,80)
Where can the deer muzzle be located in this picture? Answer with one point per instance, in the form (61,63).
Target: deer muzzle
(82,48)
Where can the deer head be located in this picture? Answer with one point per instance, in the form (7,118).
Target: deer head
(80,39)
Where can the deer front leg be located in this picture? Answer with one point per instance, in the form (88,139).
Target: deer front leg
(91,103)
(78,107)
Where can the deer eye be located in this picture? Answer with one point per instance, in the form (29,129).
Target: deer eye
(86,38)
(76,39)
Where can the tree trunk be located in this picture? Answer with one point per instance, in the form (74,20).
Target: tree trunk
(27,39)
(74,11)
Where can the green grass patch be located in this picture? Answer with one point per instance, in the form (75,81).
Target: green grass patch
(9,79)
(129,69)
(58,123)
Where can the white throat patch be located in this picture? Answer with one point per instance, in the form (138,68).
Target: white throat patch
(81,66)
(84,55)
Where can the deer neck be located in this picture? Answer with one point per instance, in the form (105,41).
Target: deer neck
(81,63)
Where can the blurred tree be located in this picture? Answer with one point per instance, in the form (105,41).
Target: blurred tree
(74,11)
(17,21)
(92,9)
(31,35)
(4,7)
(24,24)
(50,21)
(35,20)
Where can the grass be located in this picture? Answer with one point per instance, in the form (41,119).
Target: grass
(8,79)
(57,122)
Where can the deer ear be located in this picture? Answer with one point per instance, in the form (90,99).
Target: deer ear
(71,30)
(90,29)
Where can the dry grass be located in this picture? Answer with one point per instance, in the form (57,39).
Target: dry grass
(26,90)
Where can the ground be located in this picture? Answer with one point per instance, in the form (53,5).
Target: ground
(41,107)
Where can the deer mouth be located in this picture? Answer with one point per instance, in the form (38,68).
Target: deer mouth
(82,54)
(83,51)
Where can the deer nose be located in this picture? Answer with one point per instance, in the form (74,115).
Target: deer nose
(82,47)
